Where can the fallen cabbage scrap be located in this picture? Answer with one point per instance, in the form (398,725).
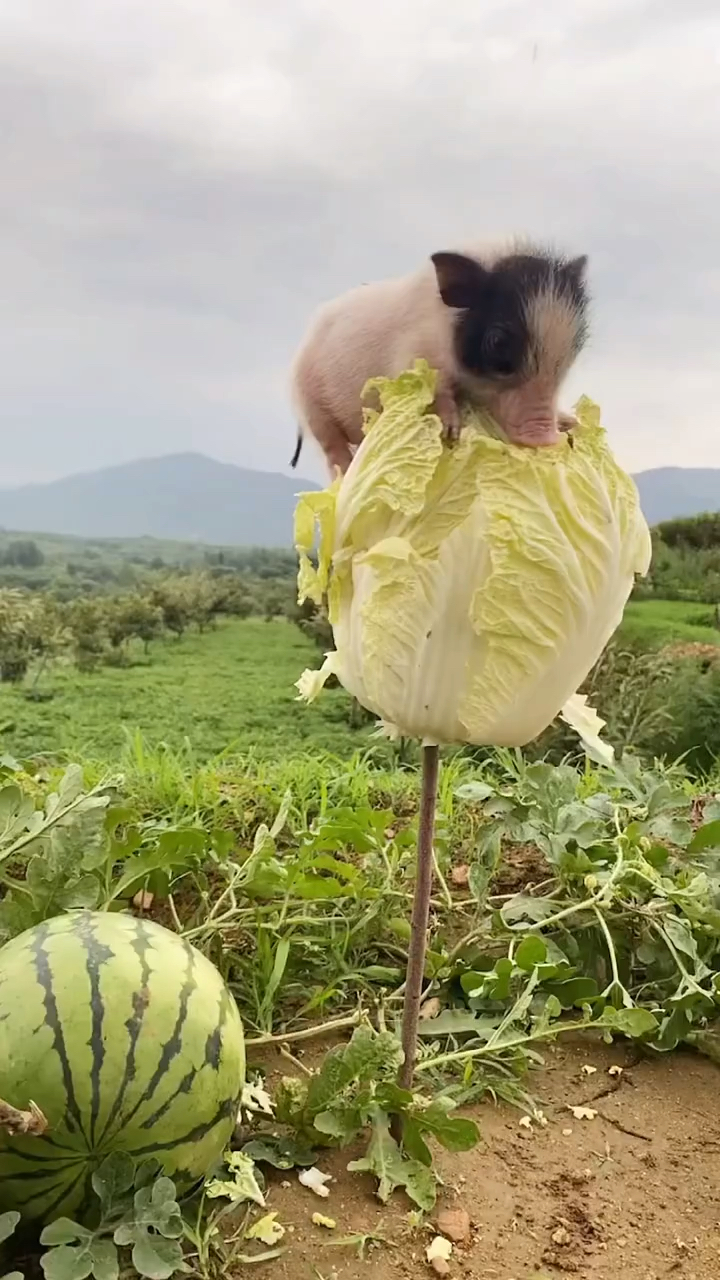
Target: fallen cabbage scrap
(470,589)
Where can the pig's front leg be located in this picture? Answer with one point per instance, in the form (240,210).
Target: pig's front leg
(446,407)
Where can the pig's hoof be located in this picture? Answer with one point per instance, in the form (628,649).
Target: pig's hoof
(451,427)
(449,415)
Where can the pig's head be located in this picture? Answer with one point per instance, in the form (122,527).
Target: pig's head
(521,321)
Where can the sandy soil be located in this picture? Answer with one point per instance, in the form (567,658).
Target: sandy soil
(631,1194)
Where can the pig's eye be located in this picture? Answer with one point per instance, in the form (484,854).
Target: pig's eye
(501,352)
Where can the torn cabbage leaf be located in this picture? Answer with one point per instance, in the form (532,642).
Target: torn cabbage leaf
(470,589)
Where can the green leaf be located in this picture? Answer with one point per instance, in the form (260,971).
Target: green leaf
(104,1260)
(452,1132)
(500,979)
(385,1161)
(530,952)
(635,1023)
(680,934)
(156,1206)
(155,1257)
(706,837)
(71,785)
(8,1223)
(265,876)
(282,815)
(280,1152)
(175,850)
(16,914)
(674,830)
(475,792)
(358,829)
(657,855)
(67,1263)
(124,1234)
(370,1055)
(673,1030)
(391,1098)
(13,804)
(574,991)
(147,1172)
(316,888)
(282,953)
(342,870)
(458,1022)
(576,822)
(242,1185)
(545,1014)
(382,973)
(523,908)
(343,1125)
(64,1231)
(113,1178)
(84,893)
(414,1143)
(163,1192)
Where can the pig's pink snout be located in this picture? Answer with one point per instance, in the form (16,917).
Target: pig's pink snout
(534,433)
(528,414)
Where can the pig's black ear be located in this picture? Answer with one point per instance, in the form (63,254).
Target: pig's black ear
(577,270)
(461,280)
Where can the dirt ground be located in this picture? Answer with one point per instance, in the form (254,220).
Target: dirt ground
(630,1194)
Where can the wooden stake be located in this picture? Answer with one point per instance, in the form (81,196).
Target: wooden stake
(420,915)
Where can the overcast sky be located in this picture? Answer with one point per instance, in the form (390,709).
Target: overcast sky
(182,181)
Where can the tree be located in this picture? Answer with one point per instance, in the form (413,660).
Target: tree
(86,621)
(31,626)
(25,553)
(132,616)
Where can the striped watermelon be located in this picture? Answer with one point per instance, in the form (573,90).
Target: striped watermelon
(127,1039)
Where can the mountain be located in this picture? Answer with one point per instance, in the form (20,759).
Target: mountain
(669,492)
(191,498)
(184,496)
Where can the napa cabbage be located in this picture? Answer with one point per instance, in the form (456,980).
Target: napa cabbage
(470,589)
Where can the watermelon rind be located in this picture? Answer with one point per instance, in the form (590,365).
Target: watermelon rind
(127,1038)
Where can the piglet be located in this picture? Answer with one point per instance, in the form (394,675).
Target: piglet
(501,324)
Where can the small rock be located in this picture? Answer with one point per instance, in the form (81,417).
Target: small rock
(454,1223)
(438,1254)
(459,876)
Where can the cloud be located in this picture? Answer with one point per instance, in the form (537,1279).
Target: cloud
(183,183)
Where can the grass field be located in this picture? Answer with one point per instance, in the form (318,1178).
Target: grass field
(230,688)
(659,622)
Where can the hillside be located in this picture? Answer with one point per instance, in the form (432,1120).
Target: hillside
(670,492)
(191,498)
(185,497)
